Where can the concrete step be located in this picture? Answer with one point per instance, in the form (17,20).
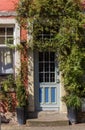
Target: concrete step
(47,118)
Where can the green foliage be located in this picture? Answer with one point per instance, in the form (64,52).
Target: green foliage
(20,93)
(2,96)
(72,100)
(73,69)
(8,84)
(64,20)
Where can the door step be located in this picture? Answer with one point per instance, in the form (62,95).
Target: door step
(47,119)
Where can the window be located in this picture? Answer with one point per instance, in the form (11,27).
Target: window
(6,35)
(43,32)
(6,54)
(45,35)
(46,67)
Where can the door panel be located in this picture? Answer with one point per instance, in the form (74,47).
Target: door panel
(47,94)
(47,89)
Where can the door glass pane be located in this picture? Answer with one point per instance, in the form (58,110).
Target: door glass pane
(53,94)
(46,67)
(41,77)
(52,77)
(46,77)
(52,67)
(40,67)
(47,94)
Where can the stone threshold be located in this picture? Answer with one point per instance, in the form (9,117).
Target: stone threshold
(47,118)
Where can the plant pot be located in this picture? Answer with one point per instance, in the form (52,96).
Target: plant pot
(21,118)
(72,115)
(26,112)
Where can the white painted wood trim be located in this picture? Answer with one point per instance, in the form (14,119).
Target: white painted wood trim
(13,22)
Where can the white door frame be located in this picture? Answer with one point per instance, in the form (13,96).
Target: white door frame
(37,85)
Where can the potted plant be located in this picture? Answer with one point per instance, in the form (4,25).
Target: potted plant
(21,101)
(73,103)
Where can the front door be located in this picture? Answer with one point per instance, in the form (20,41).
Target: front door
(47,87)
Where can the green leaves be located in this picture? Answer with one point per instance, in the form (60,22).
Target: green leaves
(20,92)
(63,21)
(73,76)
(73,100)
(21,95)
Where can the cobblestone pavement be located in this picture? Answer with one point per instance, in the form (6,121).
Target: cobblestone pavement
(24,127)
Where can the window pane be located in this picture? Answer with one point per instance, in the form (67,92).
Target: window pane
(9,40)
(6,60)
(53,94)
(2,40)
(47,94)
(52,56)
(4,35)
(2,31)
(46,33)
(39,37)
(46,77)
(46,37)
(9,31)
(52,77)
(52,67)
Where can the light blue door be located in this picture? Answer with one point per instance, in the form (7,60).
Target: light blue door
(47,87)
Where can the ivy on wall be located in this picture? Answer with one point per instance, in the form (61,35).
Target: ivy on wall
(64,21)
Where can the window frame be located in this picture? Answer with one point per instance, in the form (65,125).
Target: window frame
(7,26)
(44,72)
(4,46)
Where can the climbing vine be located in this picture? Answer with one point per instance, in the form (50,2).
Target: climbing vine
(62,23)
